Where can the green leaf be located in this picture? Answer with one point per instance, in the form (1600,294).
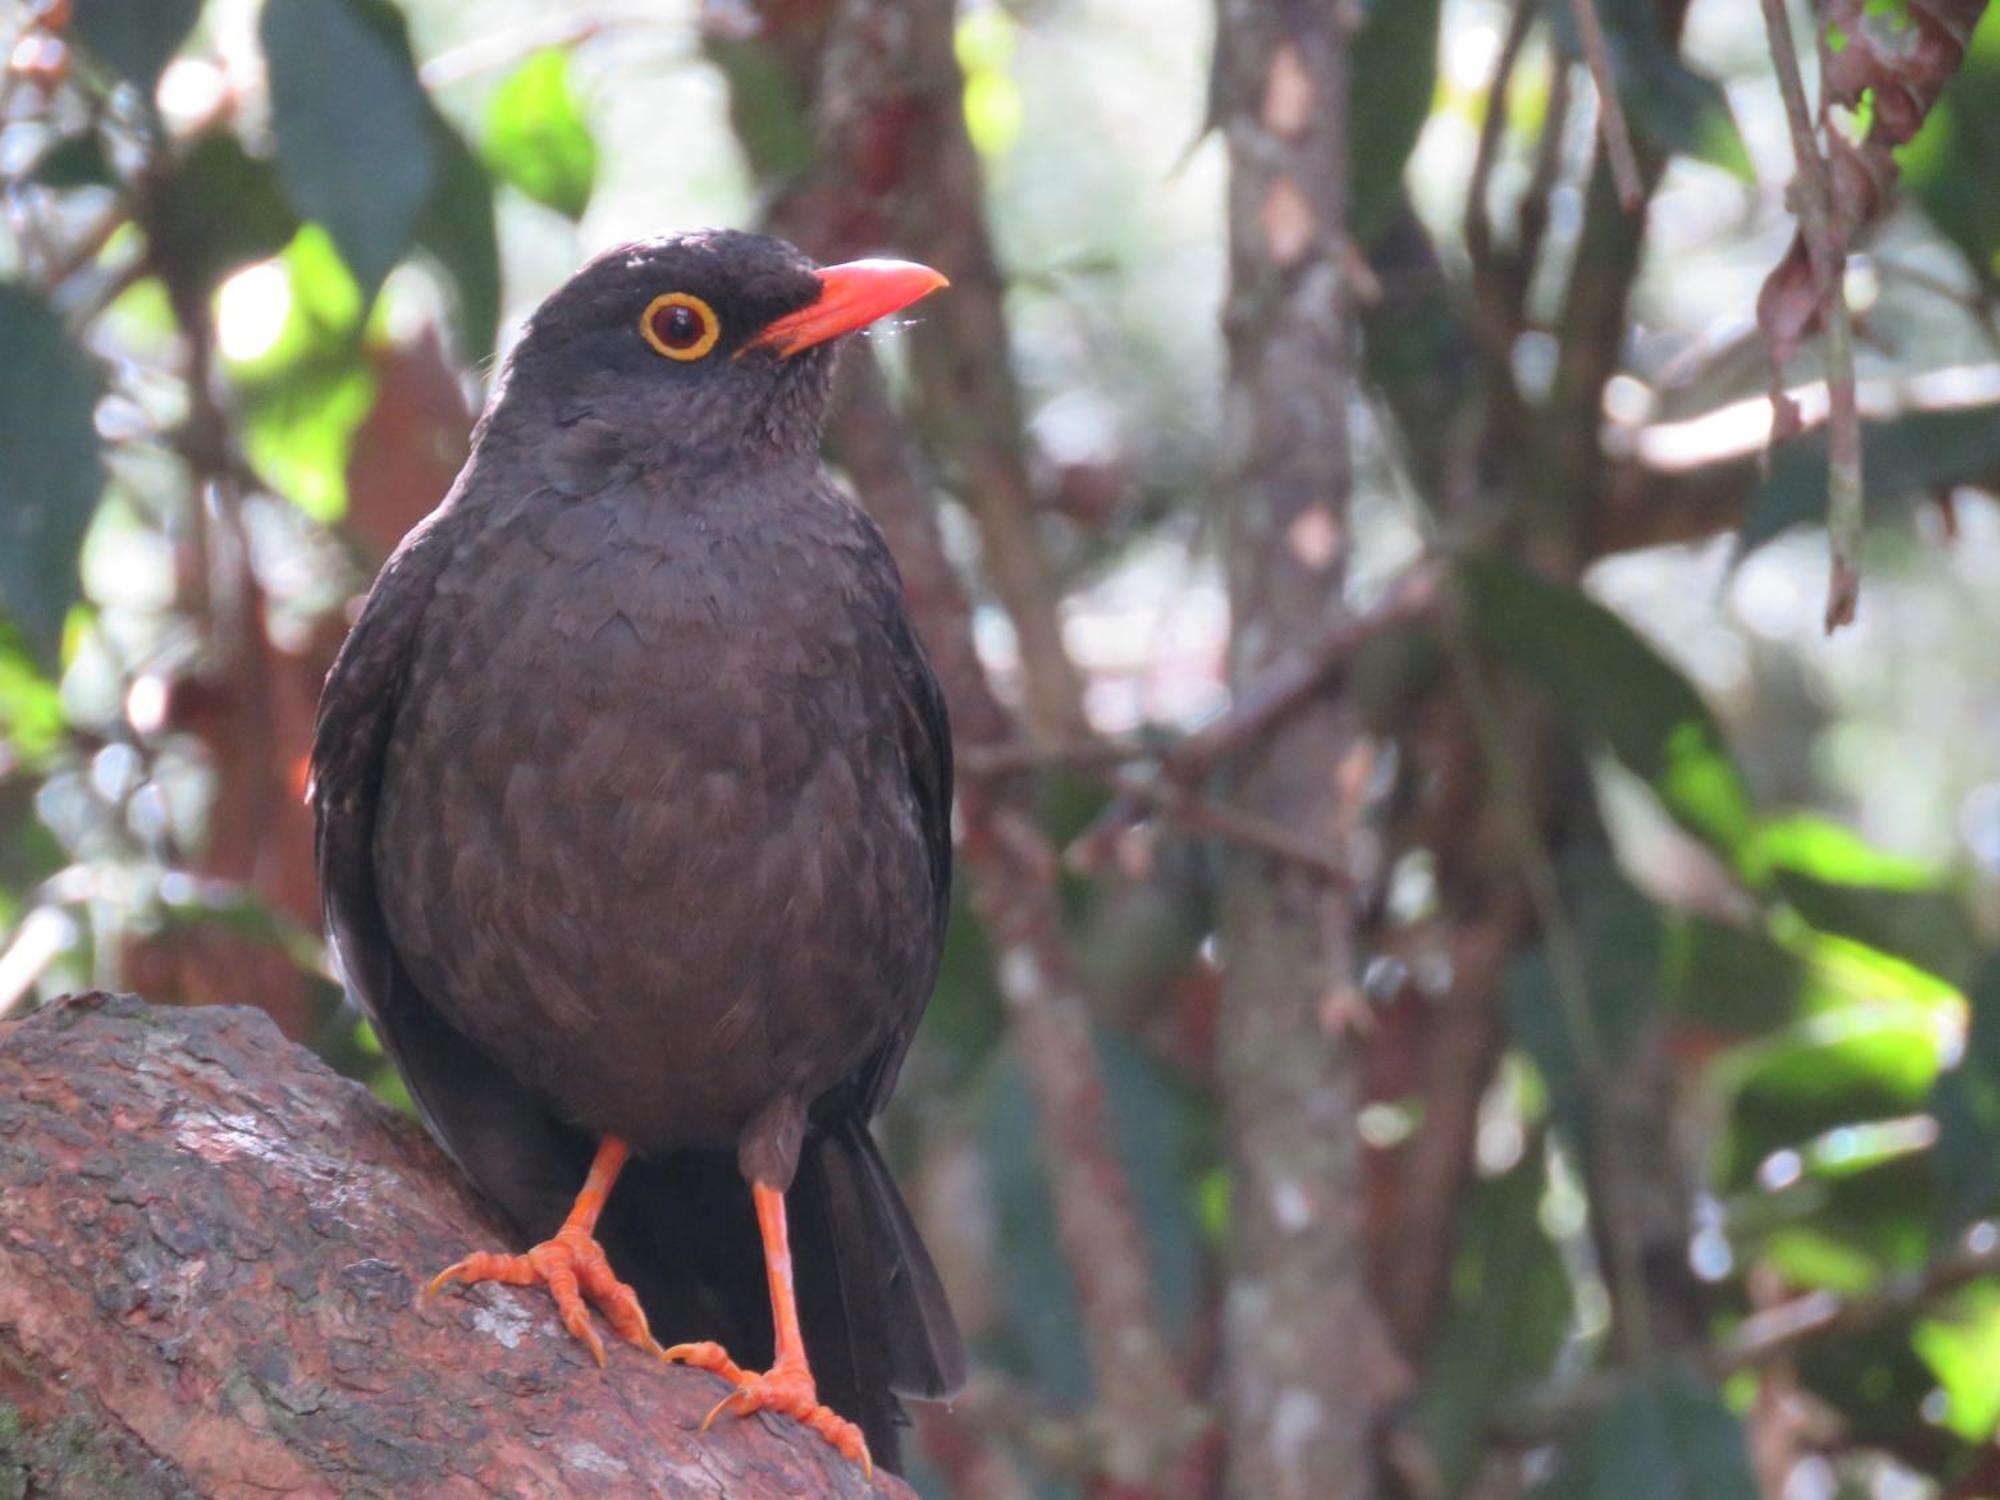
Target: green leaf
(217,208)
(536,136)
(1672,108)
(357,147)
(1609,682)
(1509,1313)
(458,231)
(75,161)
(1966,1107)
(304,397)
(1668,1437)
(1916,453)
(136,39)
(1733,982)
(1962,1346)
(51,469)
(1947,167)
(1621,936)
(1392,74)
(1160,1141)
(31,715)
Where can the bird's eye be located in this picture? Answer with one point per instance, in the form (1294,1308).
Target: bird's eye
(680,325)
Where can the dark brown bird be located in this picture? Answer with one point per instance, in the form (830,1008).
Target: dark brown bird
(633,791)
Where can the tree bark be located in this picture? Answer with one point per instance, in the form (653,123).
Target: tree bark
(211,1247)
(1310,1364)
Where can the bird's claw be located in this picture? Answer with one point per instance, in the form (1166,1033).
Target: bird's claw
(573,1267)
(787,1390)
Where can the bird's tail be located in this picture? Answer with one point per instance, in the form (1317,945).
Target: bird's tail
(681,1229)
(873,1310)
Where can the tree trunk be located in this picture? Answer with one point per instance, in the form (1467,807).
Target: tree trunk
(1310,1363)
(210,1252)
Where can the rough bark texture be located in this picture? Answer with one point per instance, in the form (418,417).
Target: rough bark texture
(210,1252)
(1309,1361)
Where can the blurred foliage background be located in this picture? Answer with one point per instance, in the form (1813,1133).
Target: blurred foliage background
(256,265)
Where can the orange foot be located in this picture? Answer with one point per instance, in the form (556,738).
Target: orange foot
(784,1388)
(572,1266)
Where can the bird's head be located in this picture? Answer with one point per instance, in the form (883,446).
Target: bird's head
(702,344)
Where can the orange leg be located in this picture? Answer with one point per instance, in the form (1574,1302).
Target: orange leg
(571,1265)
(788,1385)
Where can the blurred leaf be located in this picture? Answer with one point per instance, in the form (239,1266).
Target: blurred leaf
(537,138)
(1828,851)
(1947,167)
(1731,981)
(75,161)
(1668,1437)
(458,229)
(1392,74)
(1914,453)
(1870,1060)
(217,208)
(299,430)
(1509,1313)
(51,471)
(1609,682)
(31,716)
(305,395)
(1875,1381)
(1966,1107)
(1620,933)
(1159,1141)
(1961,1344)
(1671,107)
(357,144)
(136,39)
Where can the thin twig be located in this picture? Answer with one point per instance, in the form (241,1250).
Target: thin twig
(1610,113)
(1492,129)
(1813,203)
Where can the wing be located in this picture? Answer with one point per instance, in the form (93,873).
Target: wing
(499,1134)
(924,728)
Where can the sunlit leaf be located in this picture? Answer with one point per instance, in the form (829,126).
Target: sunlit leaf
(1667,1437)
(356,143)
(51,470)
(1961,1344)
(537,138)
(305,394)
(134,38)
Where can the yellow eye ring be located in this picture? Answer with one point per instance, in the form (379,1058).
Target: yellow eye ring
(666,324)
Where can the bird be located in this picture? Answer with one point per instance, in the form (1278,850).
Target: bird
(632,794)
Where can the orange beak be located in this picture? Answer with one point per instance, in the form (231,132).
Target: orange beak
(851,296)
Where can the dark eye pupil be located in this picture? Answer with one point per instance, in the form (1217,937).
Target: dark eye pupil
(678,326)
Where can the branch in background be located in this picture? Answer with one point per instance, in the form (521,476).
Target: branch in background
(1826,253)
(1310,1366)
(853,65)
(1610,113)
(892,125)
(1142,1408)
